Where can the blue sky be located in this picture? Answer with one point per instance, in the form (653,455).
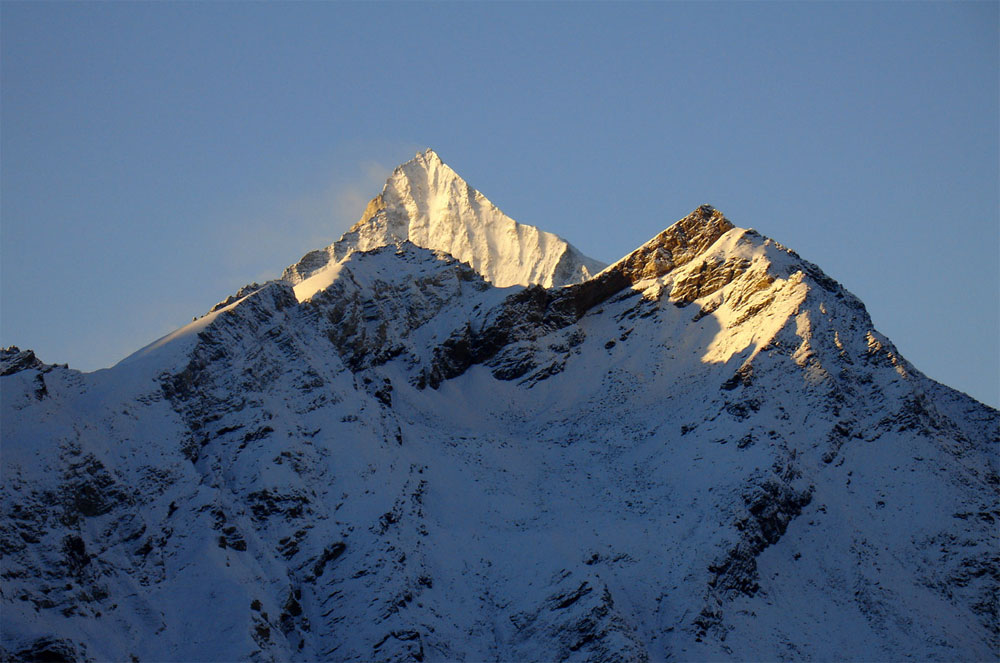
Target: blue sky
(156,156)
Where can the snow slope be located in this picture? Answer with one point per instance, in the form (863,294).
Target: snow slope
(703,452)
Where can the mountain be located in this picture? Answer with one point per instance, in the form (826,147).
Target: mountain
(703,452)
(426,202)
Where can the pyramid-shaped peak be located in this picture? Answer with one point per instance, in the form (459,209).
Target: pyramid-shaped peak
(427,158)
(425,173)
(425,161)
(428,155)
(705,222)
(704,213)
(426,202)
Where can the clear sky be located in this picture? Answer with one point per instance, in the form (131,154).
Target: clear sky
(156,156)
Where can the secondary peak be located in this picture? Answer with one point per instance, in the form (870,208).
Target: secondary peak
(676,245)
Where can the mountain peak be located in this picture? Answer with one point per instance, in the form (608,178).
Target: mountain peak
(427,155)
(426,202)
(677,245)
(705,220)
(422,161)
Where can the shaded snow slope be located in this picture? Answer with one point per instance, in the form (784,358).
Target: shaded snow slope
(427,203)
(704,452)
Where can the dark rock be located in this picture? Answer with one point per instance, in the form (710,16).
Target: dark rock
(50,650)
(330,554)
(14,360)
(563,601)
(75,554)
(771,507)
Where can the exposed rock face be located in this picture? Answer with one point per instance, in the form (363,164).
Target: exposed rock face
(675,246)
(704,452)
(50,650)
(13,359)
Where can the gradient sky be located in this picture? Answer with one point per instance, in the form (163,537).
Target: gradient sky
(156,156)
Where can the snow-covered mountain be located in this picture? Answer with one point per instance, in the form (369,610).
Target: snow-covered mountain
(426,202)
(703,452)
